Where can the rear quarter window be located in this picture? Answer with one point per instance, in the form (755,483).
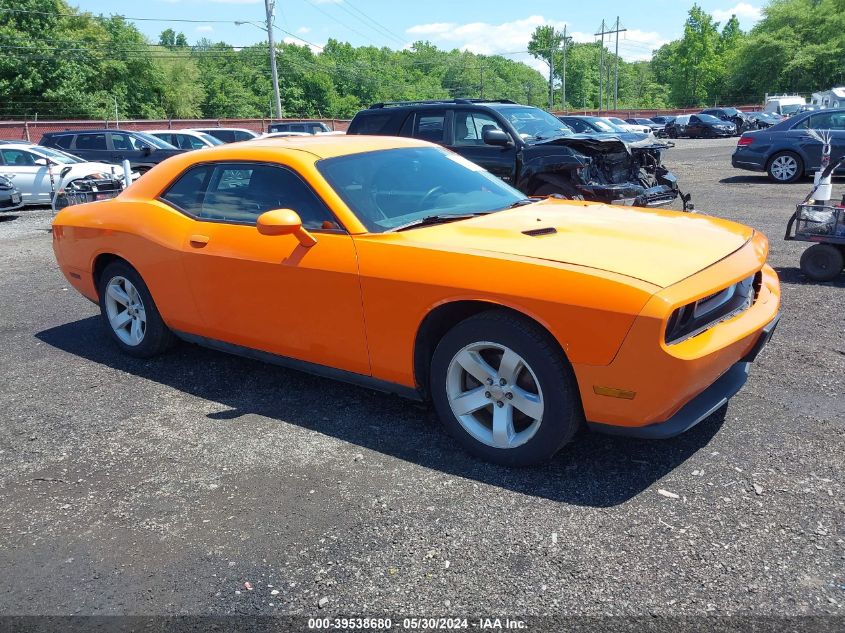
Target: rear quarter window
(372,124)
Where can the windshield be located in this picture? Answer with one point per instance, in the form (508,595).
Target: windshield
(604,126)
(208,138)
(57,156)
(154,141)
(709,118)
(534,123)
(790,109)
(391,188)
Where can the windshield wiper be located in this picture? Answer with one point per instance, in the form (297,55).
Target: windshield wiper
(433,219)
(519,203)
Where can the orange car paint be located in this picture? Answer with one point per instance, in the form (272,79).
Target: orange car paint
(604,284)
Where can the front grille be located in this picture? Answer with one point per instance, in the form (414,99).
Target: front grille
(699,316)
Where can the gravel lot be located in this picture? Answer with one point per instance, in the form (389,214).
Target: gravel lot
(162,487)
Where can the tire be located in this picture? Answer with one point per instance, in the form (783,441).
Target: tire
(672,133)
(125,300)
(785,167)
(822,262)
(548,189)
(493,425)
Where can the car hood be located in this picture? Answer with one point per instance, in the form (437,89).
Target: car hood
(605,142)
(658,247)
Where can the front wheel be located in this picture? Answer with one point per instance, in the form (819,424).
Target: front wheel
(504,390)
(822,262)
(130,314)
(568,191)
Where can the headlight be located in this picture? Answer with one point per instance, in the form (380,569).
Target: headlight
(698,316)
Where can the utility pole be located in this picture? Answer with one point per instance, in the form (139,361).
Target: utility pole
(269,6)
(481,68)
(616,80)
(563,83)
(552,72)
(616,31)
(116,117)
(601,68)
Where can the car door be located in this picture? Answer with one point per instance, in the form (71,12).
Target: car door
(92,146)
(468,141)
(126,147)
(264,292)
(824,122)
(31,178)
(695,127)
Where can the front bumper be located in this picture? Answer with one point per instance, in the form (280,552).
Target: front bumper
(632,195)
(703,405)
(663,378)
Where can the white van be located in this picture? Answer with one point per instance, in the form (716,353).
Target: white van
(785,105)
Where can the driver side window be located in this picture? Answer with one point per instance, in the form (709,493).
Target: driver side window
(470,127)
(18,158)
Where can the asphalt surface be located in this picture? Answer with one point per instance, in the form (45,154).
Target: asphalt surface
(164,486)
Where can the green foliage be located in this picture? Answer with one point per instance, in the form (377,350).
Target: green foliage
(58,62)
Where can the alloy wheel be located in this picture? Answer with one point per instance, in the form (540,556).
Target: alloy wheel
(494,395)
(784,168)
(125,311)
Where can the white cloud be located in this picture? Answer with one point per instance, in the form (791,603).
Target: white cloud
(513,37)
(746,13)
(315,48)
(235,1)
(303,30)
(205,28)
(637,45)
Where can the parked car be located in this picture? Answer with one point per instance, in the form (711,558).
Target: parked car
(622,125)
(186,139)
(786,152)
(699,126)
(10,197)
(658,129)
(143,151)
(282,135)
(415,271)
(39,172)
(599,126)
(730,115)
(306,127)
(228,134)
(785,105)
(663,119)
(761,120)
(530,149)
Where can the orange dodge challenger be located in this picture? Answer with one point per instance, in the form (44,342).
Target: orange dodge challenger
(398,265)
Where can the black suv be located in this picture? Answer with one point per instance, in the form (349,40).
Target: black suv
(143,151)
(530,149)
(730,115)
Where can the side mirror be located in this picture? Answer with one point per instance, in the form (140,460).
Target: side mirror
(146,150)
(284,222)
(496,137)
(41,162)
(65,171)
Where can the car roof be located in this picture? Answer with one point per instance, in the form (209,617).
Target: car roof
(223,129)
(170,131)
(328,146)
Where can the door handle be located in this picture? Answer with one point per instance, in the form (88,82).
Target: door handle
(198,241)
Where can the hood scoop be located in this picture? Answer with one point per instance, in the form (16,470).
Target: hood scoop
(549,230)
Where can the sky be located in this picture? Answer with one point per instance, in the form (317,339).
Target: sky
(481,26)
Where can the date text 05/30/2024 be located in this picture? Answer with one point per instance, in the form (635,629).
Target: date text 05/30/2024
(420,624)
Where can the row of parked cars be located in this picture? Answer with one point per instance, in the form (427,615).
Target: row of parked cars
(89,162)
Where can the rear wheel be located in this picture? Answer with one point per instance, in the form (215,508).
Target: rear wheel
(504,390)
(822,262)
(785,167)
(130,314)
